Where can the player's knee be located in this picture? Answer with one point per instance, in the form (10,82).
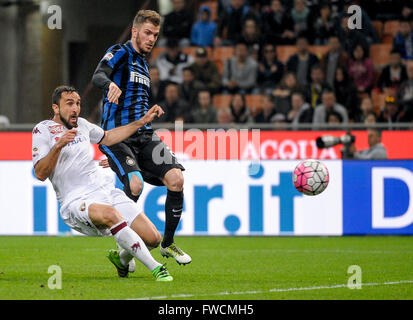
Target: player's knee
(175,181)
(135,183)
(111,216)
(155,239)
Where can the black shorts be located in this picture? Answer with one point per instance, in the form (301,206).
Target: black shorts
(144,152)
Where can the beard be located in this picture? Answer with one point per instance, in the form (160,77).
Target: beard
(140,46)
(66,122)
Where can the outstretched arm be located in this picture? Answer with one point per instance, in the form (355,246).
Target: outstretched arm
(119,134)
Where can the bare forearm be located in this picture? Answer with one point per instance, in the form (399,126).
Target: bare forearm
(119,134)
(44,167)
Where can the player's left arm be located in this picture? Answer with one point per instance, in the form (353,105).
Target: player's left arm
(119,134)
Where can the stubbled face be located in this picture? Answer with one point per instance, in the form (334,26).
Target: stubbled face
(204,98)
(68,109)
(171,93)
(334,44)
(395,59)
(328,100)
(144,37)
(241,51)
(267,104)
(296,101)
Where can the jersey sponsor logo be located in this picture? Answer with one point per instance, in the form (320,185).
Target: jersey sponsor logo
(139,78)
(76,141)
(56,129)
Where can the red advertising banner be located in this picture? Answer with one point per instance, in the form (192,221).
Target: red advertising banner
(238,144)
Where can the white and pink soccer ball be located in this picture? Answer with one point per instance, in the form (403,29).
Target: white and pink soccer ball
(311,177)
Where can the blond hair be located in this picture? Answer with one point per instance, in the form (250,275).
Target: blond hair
(147,15)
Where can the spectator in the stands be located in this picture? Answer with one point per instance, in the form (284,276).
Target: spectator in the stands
(346,93)
(333,117)
(172,62)
(205,111)
(334,58)
(350,38)
(393,74)
(224,116)
(324,26)
(157,88)
(283,91)
(240,71)
(361,70)
(231,21)
(301,111)
(405,90)
(174,106)
(301,17)
(205,71)
(390,112)
(252,37)
(371,118)
(189,87)
(239,110)
(403,40)
(316,86)
(277,24)
(328,104)
(270,69)
(203,31)
(268,110)
(366,107)
(178,23)
(302,62)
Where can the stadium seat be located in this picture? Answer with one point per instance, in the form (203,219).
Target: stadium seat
(223,53)
(221,100)
(391,27)
(378,100)
(254,102)
(380,54)
(285,52)
(378,26)
(220,55)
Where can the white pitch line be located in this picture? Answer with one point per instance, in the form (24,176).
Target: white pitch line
(226,293)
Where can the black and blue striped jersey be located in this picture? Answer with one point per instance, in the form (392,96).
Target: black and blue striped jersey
(131,74)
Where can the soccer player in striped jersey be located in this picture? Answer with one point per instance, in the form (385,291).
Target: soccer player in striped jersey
(124,76)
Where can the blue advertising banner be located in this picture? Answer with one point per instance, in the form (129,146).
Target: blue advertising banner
(377,197)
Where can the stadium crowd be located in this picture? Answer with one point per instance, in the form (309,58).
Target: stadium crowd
(278,61)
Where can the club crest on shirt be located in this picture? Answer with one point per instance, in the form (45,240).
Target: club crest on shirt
(130,161)
(108,56)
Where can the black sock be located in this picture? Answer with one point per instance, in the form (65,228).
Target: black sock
(173,210)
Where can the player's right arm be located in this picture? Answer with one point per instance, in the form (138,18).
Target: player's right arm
(44,164)
(114,58)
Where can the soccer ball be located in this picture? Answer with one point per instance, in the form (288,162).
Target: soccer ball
(311,177)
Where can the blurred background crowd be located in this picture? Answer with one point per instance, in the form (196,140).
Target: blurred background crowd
(281,61)
(248,62)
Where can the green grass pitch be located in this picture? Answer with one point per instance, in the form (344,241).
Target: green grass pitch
(222,268)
